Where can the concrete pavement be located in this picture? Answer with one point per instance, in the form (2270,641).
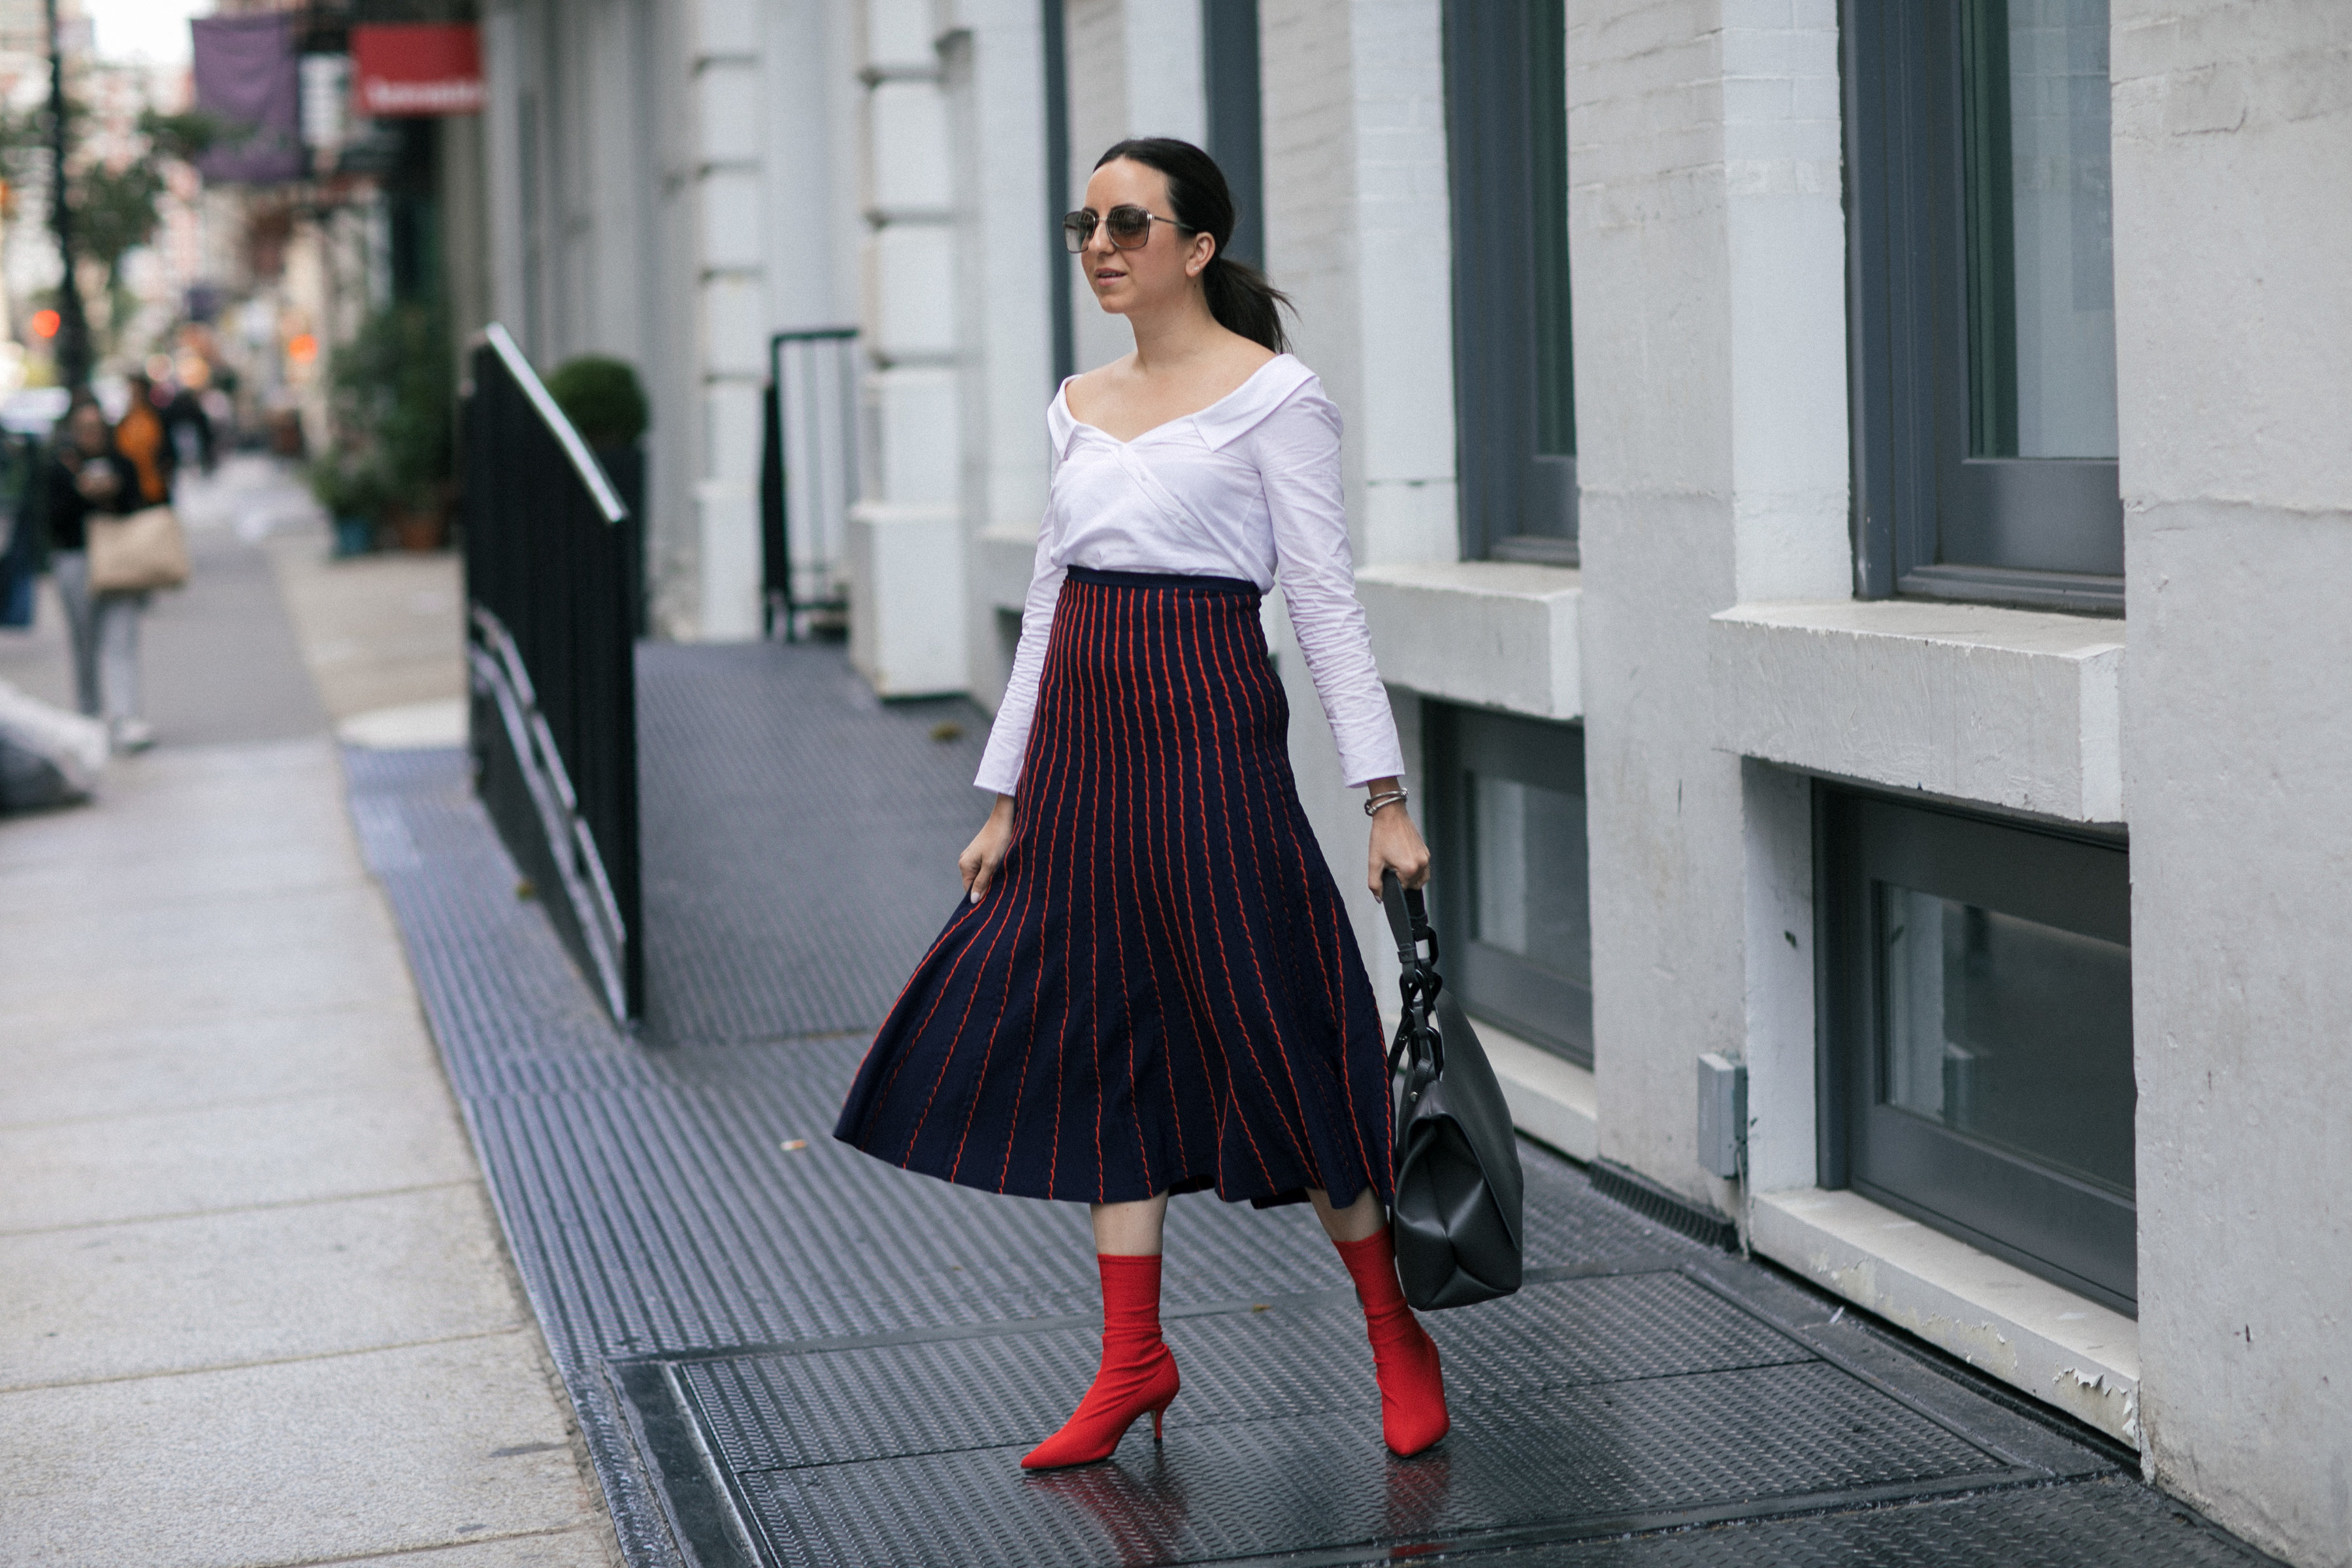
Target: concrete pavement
(254,1305)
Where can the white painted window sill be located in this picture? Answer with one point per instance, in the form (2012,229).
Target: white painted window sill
(1493,633)
(2068,1351)
(1552,1101)
(2015,708)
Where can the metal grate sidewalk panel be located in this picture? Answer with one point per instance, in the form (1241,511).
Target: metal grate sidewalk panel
(2114,1523)
(654,1212)
(863,1402)
(1296,1483)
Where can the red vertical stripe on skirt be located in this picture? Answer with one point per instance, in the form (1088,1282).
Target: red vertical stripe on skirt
(1182,743)
(1200,696)
(1036,785)
(1001,899)
(1144,879)
(1090,802)
(1229,680)
(1261,682)
(1112,696)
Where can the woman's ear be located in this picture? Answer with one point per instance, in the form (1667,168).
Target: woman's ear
(1204,250)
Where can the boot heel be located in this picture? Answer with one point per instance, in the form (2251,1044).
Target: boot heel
(1157,1412)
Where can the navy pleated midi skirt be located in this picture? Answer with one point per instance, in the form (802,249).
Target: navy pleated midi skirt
(1159,991)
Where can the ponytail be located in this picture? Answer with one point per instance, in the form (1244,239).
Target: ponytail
(1244,302)
(1238,295)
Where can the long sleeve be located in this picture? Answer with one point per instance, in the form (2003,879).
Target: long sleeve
(1008,738)
(69,510)
(1296,449)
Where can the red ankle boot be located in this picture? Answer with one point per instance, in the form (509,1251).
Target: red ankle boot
(1139,1371)
(1404,1358)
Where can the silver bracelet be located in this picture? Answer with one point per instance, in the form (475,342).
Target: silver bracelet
(1386,797)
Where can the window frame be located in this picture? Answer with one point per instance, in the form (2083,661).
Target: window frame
(1929,518)
(1539,1006)
(1500,301)
(1236,135)
(2074,1233)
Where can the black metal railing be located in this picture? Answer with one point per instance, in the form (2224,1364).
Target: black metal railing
(551,647)
(808,479)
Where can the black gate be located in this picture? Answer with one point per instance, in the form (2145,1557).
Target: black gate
(808,478)
(551,647)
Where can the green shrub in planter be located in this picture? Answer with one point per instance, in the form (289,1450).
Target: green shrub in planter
(354,493)
(602,398)
(396,390)
(348,485)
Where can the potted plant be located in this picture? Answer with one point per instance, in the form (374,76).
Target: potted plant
(396,393)
(603,399)
(355,494)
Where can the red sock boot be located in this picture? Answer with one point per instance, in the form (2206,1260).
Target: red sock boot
(1404,1358)
(1139,1371)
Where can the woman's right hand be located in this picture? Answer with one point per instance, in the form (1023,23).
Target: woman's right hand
(985,853)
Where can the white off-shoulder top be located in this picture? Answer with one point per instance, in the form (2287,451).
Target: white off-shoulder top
(1246,487)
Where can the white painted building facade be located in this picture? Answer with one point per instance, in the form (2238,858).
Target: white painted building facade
(1781,680)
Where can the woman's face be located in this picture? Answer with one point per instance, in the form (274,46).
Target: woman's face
(90,429)
(1156,273)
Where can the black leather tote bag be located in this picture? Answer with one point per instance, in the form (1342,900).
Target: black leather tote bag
(1457,1222)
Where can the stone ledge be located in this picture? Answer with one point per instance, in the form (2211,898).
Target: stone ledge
(2062,1349)
(1493,633)
(2009,708)
(1552,1101)
(906,597)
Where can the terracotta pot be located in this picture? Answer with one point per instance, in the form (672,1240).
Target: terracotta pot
(425,528)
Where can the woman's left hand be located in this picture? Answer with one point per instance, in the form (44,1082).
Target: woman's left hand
(1396,844)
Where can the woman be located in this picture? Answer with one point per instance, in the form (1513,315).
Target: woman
(87,475)
(1150,987)
(145,444)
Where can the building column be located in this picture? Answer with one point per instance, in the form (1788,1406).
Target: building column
(2232,144)
(995,82)
(906,533)
(1356,234)
(1707,270)
(725,104)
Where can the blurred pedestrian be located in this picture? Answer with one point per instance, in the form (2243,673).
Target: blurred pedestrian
(190,429)
(88,476)
(146,444)
(1151,987)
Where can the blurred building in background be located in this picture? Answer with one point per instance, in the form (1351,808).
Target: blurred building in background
(667,185)
(330,214)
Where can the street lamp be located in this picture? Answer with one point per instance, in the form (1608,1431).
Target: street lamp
(73,327)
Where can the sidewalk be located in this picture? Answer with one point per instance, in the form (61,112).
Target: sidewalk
(254,1305)
(783,1352)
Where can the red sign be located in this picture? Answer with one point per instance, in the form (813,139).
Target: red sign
(417,69)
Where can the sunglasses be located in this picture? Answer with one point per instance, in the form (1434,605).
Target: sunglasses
(1130,227)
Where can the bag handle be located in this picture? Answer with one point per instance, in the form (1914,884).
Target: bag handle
(1408,920)
(1420,983)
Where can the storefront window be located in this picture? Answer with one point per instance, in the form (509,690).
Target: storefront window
(1983,301)
(1977,974)
(1513,880)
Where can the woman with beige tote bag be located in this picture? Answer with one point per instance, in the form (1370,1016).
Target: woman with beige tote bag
(91,486)
(144,550)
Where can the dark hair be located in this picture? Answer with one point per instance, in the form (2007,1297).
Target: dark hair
(1239,296)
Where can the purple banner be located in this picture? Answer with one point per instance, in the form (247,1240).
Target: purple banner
(246,75)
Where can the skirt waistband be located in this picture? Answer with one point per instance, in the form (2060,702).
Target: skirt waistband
(1101,578)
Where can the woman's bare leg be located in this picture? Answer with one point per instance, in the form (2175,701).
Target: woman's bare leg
(1355,1222)
(1404,1358)
(1131,1230)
